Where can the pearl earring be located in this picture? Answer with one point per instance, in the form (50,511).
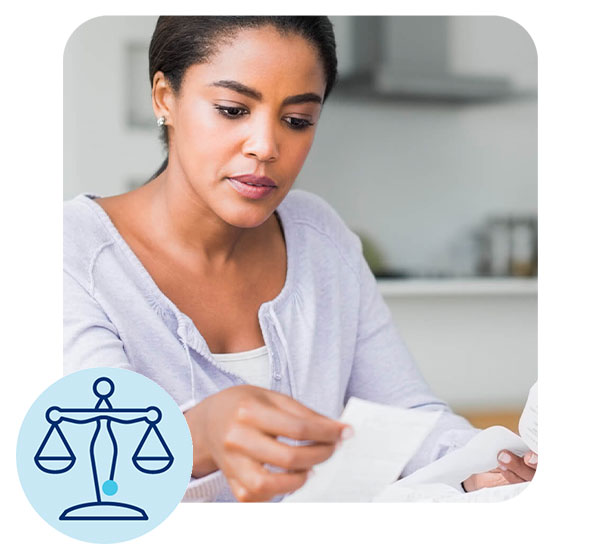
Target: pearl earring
(160,121)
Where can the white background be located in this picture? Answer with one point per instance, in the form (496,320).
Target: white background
(558,509)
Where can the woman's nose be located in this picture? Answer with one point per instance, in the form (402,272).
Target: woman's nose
(261,142)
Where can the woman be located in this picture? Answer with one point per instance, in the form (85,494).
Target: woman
(252,306)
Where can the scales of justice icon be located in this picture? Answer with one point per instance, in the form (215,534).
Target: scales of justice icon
(55,455)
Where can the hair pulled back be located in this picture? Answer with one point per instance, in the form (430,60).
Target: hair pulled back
(179,42)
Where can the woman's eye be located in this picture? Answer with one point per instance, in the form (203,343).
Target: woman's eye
(298,123)
(231,112)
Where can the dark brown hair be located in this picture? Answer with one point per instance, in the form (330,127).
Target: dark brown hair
(181,41)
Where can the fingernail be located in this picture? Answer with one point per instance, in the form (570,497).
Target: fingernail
(504,457)
(503,468)
(347,433)
(532,459)
(311,473)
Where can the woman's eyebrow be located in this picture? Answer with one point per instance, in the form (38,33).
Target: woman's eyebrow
(302,98)
(239,88)
(255,94)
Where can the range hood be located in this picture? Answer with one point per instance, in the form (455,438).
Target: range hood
(409,57)
(397,81)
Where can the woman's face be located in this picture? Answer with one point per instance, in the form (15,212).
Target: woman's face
(243,123)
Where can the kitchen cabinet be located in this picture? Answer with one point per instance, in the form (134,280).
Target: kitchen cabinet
(475,341)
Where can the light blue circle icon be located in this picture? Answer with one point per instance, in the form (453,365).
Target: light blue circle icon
(110,487)
(104,455)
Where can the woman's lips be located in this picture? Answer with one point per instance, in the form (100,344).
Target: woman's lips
(251,186)
(255,180)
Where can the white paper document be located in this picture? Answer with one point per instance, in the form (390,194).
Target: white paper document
(478,455)
(385,439)
(528,424)
(440,481)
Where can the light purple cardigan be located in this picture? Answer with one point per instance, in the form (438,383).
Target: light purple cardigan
(329,333)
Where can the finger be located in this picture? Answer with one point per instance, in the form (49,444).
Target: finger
(280,421)
(298,409)
(511,477)
(492,478)
(294,407)
(506,476)
(531,459)
(264,449)
(483,480)
(510,462)
(250,482)
(239,491)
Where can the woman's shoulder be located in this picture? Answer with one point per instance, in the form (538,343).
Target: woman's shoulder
(84,234)
(307,206)
(78,208)
(312,211)
(323,234)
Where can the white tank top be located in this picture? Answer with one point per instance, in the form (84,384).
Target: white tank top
(252,366)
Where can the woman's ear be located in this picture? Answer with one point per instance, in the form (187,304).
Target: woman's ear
(162,97)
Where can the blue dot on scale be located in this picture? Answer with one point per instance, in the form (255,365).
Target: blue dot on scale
(110,487)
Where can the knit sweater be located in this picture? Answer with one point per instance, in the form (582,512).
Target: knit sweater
(329,334)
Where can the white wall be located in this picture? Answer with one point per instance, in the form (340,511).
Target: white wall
(102,154)
(419,177)
(504,47)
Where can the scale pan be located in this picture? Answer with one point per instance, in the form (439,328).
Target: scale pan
(152,455)
(54,455)
(55,464)
(152,465)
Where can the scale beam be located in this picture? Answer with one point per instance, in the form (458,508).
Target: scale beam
(56,415)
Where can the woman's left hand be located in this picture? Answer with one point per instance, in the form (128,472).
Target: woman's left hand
(511,469)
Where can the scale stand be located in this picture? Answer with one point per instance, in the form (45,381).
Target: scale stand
(103,414)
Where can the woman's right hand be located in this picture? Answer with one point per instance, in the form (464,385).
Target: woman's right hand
(235,430)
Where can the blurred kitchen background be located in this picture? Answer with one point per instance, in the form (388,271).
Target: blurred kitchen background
(428,150)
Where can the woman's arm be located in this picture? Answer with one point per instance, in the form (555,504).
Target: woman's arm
(234,432)
(384,371)
(89,338)
(237,431)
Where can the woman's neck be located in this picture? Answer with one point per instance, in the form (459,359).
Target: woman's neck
(176,214)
